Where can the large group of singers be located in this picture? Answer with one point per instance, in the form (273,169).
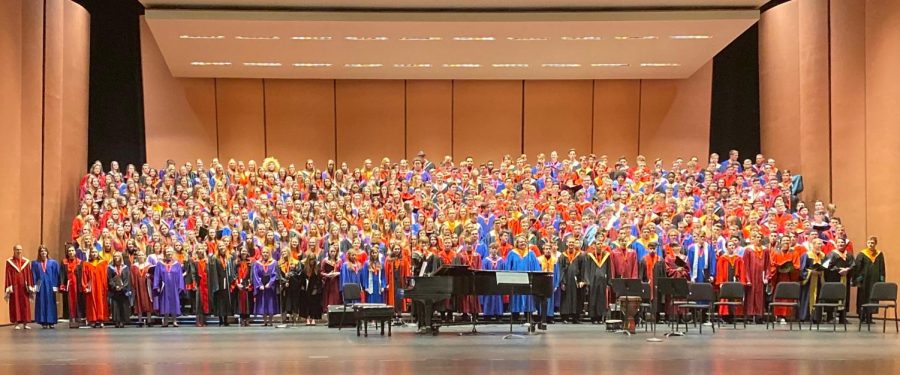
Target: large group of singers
(233,241)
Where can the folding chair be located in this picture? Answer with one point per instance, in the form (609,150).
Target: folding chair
(883,296)
(700,297)
(350,292)
(832,295)
(789,291)
(733,296)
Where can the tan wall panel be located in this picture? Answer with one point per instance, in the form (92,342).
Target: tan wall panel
(300,121)
(617,106)
(487,119)
(29,217)
(370,119)
(882,133)
(558,116)
(814,100)
(779,102)
(429,119)
(240,119)
(675,116)
(11,113)
(179,113)
(848,115)
(54,119)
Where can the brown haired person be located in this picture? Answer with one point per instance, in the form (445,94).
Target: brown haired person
(119,278)
(868,270)
(19,286)
(46,284)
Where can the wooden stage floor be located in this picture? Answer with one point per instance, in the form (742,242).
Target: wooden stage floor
(563,349)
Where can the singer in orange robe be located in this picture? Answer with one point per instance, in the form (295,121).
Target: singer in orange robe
(95,274)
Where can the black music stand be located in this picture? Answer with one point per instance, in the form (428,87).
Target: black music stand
(671,288)
(626,288)
(518,286)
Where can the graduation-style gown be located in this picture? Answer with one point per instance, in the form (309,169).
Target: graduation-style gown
(837,260)
(45,277)
(198,276)
(372,275)
(730,269)
(756,264)
(352,273)
(651,268)
(141,288)
(311,293)
(18,280)
(623,263)
(550,265)
(243,297)
(220,280)
(96,309)
(521,261)
(595,269)
(168,281)
(492,305)
(71,284)
(468,304)
(397,271)
(869,269)
(119,287)
(289,286)
(570,270)
(784,267)
(812,280)
(702,260)
(331,285)
(265,275)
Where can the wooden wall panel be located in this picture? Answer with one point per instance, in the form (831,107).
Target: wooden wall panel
(487,119)
(675,116)
(179,113)
(882,133)
(370,120)
(779,102)
(300,121)
(240,119)
(848,115)
(30,157)
(429,119)
(558,116)
(54,120)
(617,106)
(815,120)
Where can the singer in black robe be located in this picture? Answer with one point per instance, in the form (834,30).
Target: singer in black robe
(220,276)
(572,299)
(595,270)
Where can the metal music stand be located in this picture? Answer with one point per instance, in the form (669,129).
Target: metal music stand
(670,289)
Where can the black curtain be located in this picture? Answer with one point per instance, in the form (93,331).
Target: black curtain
(734,118)
(116,112)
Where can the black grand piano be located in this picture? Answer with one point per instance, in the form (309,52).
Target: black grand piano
(451,281)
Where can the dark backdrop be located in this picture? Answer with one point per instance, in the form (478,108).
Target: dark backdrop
(116,114)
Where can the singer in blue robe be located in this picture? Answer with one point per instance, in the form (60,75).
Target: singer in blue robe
(373,279)
(168,282)
(492,306)
(702,261)
(45,275)
(521,259)
(351,272)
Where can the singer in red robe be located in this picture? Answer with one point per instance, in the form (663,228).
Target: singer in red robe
(397,270)
(96,301)
(784,267)
(19,286)
(756,262)
(730,269)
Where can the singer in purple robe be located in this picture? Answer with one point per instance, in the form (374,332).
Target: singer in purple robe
(168,282)
(264,276)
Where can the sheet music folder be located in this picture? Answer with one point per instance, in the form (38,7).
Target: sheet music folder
(513,278)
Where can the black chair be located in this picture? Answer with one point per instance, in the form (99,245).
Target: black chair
(350,292)
(883,296)
(646,306)
(832,295)
(731,295)
(700,298)
(789,295)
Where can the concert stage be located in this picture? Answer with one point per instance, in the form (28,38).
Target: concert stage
(563,349)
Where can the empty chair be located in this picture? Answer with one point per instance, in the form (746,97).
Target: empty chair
(883,296)
(787,294)
(349,293)
(731,296)
(832,295)
(646,307)
(700,298)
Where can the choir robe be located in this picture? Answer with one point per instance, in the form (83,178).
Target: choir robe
(551,265)
(756,266)
(18,282)
(119,287)
(71,283)
(168,281)
(397,272)
(198,276)
(220,275)
(623,263)
(730,269)
(289,286)
(469,304)
(676,267)
(521,261)
(812,280)
(311,293)
(702,260)
(242,301)
(373,280)
(492,305)
(595,270)
(837,260)
(265,276)
(96,307)
(651,268)
(868,270)
(331,285)
(784,267)
(352,273)
(141,288)
(46,278)
(570,270)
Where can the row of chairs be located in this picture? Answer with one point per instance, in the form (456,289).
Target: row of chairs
(702,297)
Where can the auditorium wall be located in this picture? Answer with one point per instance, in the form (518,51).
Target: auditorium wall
(350,120)
(829,106)
(44,112)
